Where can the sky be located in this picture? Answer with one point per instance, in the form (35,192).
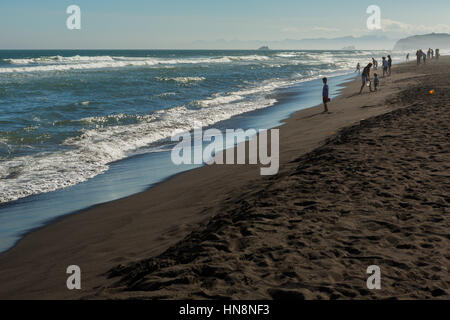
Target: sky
(178,24)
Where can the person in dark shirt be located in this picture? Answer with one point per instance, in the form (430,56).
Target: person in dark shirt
(325,95)
(385,67)
(419,56)
(389,64)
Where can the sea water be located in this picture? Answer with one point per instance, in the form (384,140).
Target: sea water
(65,116)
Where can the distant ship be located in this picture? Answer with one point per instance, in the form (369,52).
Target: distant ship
(264,48)
(349,48)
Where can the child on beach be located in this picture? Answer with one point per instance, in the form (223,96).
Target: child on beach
(325,95)
(376,81)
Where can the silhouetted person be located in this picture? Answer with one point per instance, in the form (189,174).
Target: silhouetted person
(325,95)
(375,64)
(385,67)
(389,64)
(419,56)
(365,77)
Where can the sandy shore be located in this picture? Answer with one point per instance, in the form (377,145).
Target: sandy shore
(376,192)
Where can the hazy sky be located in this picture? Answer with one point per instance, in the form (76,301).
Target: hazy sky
(178,23)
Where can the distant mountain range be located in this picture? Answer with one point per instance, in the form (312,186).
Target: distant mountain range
(432,40)
(368,42)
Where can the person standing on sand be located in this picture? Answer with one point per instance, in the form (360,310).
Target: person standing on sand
(419,56)
(385,67)
(389,64)
(366,78)
(424,56)
(325,95)
(358,68)
(407,57)
(437,54)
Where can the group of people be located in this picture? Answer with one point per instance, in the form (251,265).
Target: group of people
(422,56)
(387,67)
(365,77)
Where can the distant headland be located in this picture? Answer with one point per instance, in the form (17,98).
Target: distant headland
(432,40)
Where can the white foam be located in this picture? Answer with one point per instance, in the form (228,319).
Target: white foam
(288,54)
(91,153)
(58,63)
(182,79)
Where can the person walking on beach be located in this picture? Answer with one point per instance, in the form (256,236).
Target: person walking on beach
(424,56)
(358,68)
(419,56)
(385,67)
(325,94)
(437,54)
(407,57)
(389,64)
(366,78)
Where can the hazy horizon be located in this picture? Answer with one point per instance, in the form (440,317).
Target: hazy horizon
(201,24)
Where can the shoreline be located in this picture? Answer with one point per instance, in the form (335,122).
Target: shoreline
(169,211)
(270,117)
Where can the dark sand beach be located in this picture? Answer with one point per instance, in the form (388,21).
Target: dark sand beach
(367,184)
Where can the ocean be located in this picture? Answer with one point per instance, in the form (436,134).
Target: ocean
(67,116)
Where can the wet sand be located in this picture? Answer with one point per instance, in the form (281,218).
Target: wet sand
(366,184)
